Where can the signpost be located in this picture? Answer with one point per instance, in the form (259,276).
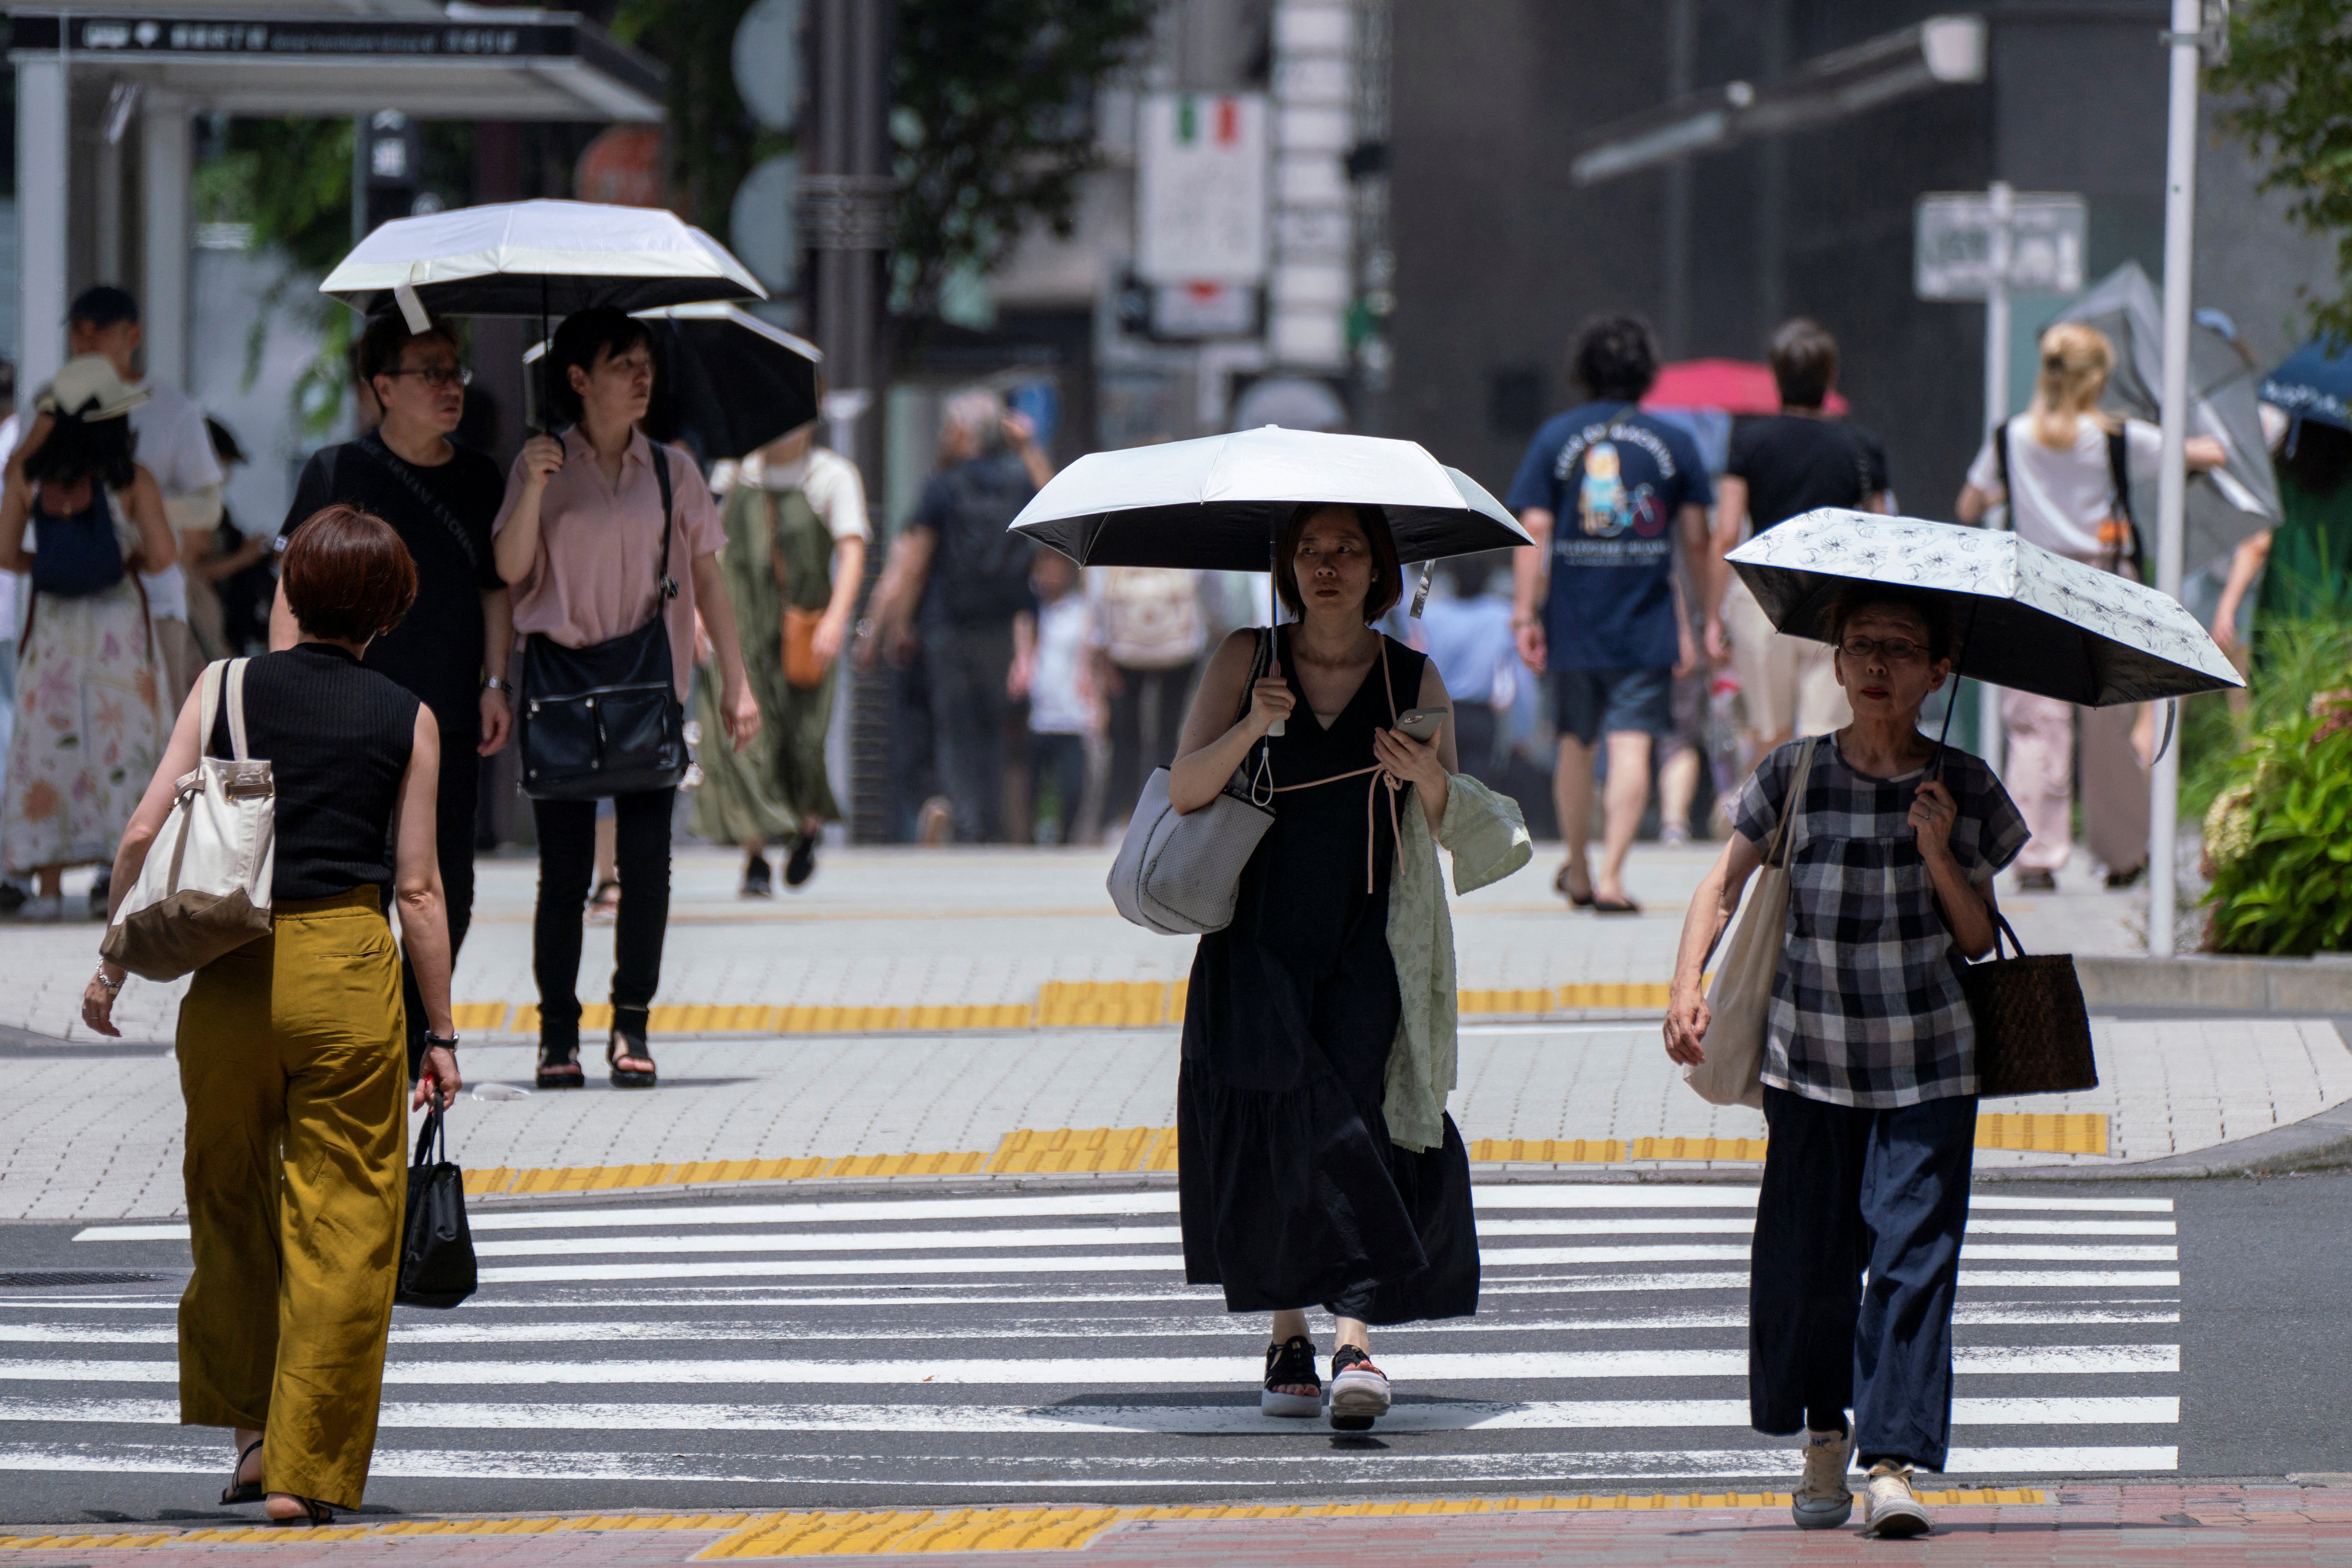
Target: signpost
(1201,198)
(1987,244)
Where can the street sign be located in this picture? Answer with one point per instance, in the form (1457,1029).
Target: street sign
(1953,243)
(1201,203)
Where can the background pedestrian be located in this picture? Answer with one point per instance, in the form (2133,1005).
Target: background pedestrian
(89,717)
(2066,469)
(230,586)
(795,563)
(1152,631)
(451,649)
(1467,629)
(1869,1070)
(1607,493)
(954,586)
(174,446)
(290,1048)
(1065,709)
(579,538)
(2304,564)
(1779,466)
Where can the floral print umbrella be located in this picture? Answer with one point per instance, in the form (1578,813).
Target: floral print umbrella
(2028,619)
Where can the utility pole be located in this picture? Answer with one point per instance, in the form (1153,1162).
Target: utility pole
(847,209)
(2186,44)
(2003,201)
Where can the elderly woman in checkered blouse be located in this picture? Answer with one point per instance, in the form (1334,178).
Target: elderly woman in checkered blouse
(1870,1082)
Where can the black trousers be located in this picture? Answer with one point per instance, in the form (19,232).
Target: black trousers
(971,711)
(1847,1190)
(455,798)
(1135,747)
(1059,761)
(567,859)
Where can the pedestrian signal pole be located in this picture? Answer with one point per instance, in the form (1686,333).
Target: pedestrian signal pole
(2185,43)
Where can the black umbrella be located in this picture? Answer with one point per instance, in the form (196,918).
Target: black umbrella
(727,382)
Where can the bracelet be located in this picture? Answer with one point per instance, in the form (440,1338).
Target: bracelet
(448,1043)
(113,988)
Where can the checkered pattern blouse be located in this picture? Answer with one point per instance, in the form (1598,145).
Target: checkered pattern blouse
(1866,1008)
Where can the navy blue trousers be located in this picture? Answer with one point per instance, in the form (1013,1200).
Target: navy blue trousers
(1848,1192)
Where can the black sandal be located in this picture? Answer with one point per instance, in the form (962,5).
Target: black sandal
(625,1046)
(1289,1366)
(314,1512)
(239,1491)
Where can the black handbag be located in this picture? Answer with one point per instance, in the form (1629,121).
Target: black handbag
(2033,1032)
(605,719)
(437,1250)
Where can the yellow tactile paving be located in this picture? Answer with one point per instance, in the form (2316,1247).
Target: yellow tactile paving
(1060,1005)
(907,1530)
(1061,1151)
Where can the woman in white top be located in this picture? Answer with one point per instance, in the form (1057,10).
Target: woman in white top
(2062,465)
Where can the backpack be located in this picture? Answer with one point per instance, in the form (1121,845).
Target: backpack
(75,557)
(981,569)
(2120,533)
(1151,616)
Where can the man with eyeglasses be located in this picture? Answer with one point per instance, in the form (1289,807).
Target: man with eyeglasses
(451,649)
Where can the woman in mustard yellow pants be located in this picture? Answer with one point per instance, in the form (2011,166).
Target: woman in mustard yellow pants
(292,1047)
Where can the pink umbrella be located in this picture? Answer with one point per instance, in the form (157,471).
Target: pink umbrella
(1735,386)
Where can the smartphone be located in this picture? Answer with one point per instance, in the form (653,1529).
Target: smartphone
(1421,723)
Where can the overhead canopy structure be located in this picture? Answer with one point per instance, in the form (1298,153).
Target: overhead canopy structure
(143,71)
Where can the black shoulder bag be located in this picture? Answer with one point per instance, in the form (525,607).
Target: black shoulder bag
(436,1249)
(605,719)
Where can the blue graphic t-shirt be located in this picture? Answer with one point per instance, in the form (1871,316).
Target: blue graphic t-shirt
(1613,480)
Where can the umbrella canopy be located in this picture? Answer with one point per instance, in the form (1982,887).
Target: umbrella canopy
(725,381)
(1733,385)
(1216,504)
(2227,504)
(2313,383)
(2032,621)
(536,259)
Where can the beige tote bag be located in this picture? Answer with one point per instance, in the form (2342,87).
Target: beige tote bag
(205,888)
(1739,1001)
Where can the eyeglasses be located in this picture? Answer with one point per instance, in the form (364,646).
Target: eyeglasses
(437,376)
(1894,650)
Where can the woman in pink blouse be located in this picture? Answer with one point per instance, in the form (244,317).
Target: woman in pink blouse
(578,539)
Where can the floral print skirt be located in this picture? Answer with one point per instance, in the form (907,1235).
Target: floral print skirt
(90,729)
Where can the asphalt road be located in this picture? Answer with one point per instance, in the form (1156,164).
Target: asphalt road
(977,1345)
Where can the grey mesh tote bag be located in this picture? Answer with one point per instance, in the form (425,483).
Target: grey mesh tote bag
(1179,873)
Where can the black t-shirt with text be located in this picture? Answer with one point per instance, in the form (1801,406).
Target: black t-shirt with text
(1793,464)
(436,650)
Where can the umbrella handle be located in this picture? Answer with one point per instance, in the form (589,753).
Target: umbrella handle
(1273,625)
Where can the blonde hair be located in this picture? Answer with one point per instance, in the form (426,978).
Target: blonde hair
(2075,362)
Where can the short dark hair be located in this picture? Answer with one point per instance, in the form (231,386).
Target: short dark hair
(1805,361)
(347,574)
(1933,609)
(582,339)
(78,448)
(102,305)
(1616,357)
(1388,577)
(386,336)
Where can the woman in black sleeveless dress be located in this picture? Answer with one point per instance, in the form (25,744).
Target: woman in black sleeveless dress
(1292,1193)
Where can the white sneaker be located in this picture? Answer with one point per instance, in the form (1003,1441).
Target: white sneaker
(40,909)
(1822,1500)
(1892,1510)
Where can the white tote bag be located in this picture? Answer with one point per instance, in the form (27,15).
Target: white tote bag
(204,889)
(1739,1001)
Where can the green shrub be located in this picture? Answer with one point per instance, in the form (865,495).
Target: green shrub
(2278,841)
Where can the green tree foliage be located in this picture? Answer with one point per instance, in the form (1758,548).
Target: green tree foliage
(994,124)
(2291,72)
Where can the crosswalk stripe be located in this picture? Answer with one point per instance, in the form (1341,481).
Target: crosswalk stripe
(1512,1367)
(1184,1420)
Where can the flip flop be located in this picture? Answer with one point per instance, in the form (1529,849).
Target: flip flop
(1560,886)
(1615,906)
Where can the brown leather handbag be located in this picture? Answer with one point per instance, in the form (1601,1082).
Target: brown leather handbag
(2033,1032)
(803,671)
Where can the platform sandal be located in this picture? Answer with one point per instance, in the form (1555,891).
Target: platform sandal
(626,1052)
(1359,1391)
(1287,1366)
(239,1491)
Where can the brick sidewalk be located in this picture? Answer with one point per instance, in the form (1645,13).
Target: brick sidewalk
(2090,1526)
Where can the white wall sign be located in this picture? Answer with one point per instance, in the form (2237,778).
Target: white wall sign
(1953,243)
(1200,209)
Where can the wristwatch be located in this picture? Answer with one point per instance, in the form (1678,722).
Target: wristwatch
(496,683)
(448,1043)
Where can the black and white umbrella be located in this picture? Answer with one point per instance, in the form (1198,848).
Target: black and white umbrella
(725,381)
(2028,619)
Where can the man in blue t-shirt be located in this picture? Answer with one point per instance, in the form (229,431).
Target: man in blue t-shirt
(1606,492)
